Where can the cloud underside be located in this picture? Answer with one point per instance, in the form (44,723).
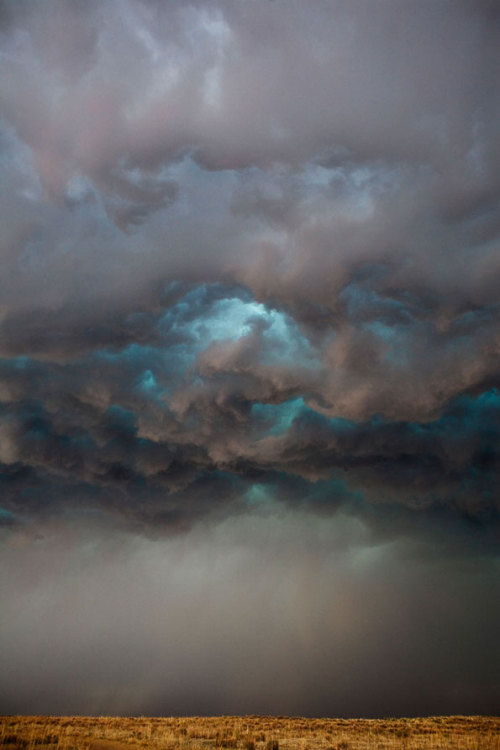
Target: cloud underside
(249,253)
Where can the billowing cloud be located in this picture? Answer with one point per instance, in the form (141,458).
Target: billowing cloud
(249,261)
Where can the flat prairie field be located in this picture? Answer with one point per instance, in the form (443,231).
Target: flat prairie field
(249,733)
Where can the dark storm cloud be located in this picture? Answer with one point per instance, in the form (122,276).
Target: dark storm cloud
(250,261)
(166,427)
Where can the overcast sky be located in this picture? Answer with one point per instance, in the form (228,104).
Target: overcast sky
(249,356)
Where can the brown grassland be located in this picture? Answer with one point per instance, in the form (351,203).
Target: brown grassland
(249,733)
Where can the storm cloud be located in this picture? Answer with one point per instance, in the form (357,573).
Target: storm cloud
(249,340)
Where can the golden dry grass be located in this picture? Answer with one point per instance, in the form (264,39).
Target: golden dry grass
(249,733)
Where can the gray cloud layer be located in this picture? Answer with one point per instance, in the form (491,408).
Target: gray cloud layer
(249,260)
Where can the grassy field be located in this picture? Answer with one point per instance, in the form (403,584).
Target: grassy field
(249,733)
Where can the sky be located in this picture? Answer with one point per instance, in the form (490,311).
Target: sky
(249,357)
